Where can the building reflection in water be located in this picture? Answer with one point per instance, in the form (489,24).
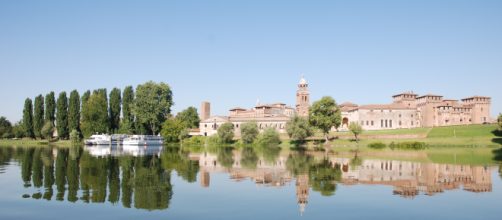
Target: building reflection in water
(408,179)
(141,177)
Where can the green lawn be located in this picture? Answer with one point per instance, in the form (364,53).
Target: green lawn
(463,131)
(386,132)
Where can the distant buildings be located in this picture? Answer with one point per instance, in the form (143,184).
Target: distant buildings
(408,110)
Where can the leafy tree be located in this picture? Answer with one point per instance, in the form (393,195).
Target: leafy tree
(74,112)
(95,116)
(152,105)
(226,133)
(18,130)
(28,118)
(115,102)
(249,132)
(47,130)
(171,130)
(127,124)
(356,129)
(298,129)
(269,137)
(38,117)
(103,93)
(189,117)
(5,128)
(62,116)
(50,108)
(325,114)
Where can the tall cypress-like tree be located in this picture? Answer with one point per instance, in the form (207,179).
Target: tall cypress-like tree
(62,116)
(127,101)
(50,108)
(38,117)
(74,111)
(104,110)
(83,102)
(115,102)
(28,118)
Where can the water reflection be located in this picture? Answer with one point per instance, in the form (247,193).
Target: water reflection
(141,177)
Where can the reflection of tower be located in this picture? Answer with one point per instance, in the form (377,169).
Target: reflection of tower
(204,178)
(303,98)
(302,191)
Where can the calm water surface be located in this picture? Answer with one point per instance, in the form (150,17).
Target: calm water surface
(218,183)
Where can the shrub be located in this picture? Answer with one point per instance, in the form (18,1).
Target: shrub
(226,133)
(195,141)
(269,137)
(298,129)
(47,130)
(408,145)
(75,137)
(249,132)
(377,145)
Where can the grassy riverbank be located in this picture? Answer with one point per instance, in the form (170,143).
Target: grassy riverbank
(33,143)
(453,136)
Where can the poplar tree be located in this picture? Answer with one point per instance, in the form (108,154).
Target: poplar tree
(114,110)
(74,111)
(28,118)
(62,116)
(50,108)
(127,116)
(38,117)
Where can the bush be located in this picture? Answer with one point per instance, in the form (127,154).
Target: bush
(226,133)
(75,137)
(195,141)
(269,137)
(408,145)
(47,130)
(249,132)
(298,129)
(377,145)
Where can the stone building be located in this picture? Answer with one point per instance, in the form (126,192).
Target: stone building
(407,110)
(265,115)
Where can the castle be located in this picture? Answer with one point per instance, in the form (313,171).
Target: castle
(408,110)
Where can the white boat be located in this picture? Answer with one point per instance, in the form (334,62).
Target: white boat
(143,140)
(98,139)
(104,139)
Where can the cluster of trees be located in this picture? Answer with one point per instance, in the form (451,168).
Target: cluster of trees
(323,116)
(249,135)
(177,128)
(143,112)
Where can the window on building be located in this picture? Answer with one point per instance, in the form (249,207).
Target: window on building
(205,125)
(390,123)
(400,124)
(386,123)
(372,123)
(399,115)
(362,122)
(381,123)
(367,123)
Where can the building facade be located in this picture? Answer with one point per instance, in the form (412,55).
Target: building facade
(265,115)
(407,110)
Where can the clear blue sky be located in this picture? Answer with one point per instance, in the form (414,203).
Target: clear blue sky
(233,52)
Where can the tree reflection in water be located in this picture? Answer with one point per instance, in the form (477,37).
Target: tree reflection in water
(144,182)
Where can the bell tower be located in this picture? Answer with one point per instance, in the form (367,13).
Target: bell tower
(303,98)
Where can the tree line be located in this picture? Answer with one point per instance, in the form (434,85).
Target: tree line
(140,111)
